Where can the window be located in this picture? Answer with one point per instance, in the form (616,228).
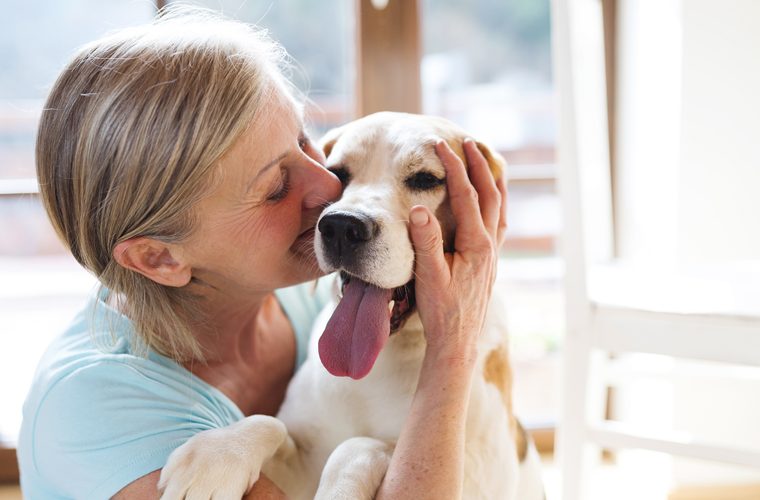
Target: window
(487,67)
(36,39)
(489,71)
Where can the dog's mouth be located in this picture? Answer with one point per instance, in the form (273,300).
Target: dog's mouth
(401,305)
(362,322)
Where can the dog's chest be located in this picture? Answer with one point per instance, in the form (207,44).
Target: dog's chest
(491,462)
(330,410)
(379,403)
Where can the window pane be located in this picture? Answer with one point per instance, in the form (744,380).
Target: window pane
(319,36)
(487,66)
(36,40)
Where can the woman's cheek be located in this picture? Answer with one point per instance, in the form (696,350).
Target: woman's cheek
(283,225)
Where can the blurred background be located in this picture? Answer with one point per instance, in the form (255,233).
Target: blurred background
(657,164)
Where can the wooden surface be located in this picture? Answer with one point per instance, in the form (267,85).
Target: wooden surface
(722,492)
(8,466)
(389,50)
(10,492)
(609,19)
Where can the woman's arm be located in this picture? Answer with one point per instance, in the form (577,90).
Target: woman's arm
(428,459)
(452,292)
(146,488)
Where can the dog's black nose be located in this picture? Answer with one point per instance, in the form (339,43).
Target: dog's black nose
(344,233)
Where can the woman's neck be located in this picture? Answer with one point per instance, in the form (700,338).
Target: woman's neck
(250,352)
(230,328)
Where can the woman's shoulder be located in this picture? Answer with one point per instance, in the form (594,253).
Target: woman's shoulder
(96,341)
(107,422)
(108,412)
(97,357)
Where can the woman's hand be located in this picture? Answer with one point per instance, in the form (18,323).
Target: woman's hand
(453,290)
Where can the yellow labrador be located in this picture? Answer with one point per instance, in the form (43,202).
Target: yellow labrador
(346,406)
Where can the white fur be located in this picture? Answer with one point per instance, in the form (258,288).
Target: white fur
(341,432)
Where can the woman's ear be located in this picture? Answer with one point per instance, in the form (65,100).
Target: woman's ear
(156,260)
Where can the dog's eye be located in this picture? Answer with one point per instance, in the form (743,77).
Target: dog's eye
(342,174)
(423,181)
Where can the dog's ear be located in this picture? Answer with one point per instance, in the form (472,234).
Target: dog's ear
(329,139)
(496,162)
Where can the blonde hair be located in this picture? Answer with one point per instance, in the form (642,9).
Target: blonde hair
(128,141)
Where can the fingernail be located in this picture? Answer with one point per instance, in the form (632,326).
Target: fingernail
(468,139)
(419,217)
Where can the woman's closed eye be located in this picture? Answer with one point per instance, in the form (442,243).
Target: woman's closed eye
(282,187)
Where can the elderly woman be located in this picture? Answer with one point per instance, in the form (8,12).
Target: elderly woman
(173,163)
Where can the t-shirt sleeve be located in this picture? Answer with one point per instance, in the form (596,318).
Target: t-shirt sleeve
(107,424)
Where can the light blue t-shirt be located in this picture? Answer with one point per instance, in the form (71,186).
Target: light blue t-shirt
(97,419)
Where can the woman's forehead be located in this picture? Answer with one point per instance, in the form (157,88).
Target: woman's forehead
(273,132)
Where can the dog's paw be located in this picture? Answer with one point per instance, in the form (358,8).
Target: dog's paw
(221,463)
(355,470)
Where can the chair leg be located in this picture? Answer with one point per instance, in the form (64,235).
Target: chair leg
(584,398)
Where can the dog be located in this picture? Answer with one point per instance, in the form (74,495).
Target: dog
(345,407)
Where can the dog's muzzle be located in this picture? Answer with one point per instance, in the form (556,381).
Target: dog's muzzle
(345,237)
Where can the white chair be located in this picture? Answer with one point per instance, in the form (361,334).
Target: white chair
(707,313)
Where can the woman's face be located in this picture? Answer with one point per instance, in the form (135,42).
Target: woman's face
(256,228)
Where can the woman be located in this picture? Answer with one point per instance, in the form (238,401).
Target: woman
(173,163)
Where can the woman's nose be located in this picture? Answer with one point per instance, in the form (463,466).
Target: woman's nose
(322,186)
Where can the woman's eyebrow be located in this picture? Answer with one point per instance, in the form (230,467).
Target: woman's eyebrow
(264,170)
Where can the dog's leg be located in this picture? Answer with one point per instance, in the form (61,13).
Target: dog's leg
(355,470)
(222,463)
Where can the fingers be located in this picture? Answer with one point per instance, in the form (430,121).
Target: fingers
(482,179)
(430,264)
(463,197)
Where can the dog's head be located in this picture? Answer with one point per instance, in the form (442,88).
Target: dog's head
(387,164)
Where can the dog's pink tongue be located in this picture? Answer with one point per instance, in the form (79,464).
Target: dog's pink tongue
(357,330)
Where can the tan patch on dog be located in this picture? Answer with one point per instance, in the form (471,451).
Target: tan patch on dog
(521,439)
(496,163)
(497,371)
